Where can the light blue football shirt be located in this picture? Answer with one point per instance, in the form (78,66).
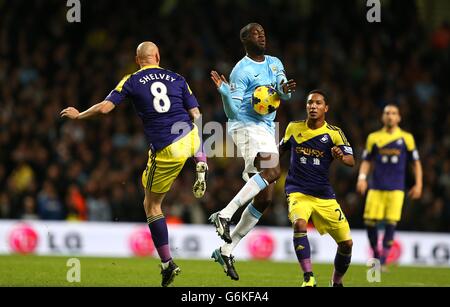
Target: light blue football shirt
(248,75)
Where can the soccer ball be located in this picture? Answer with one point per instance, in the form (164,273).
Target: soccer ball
(265,100)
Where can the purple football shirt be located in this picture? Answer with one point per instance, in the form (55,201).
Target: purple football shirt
(162,100)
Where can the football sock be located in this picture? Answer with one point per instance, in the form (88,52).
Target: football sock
(303,251)
(252,188)
(200,156)
(248,221)
(160,236)
(388,240)
(341,265)
(372,233)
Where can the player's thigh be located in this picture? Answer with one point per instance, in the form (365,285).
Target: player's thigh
(267,160)
(341,234)
(152,203)
(394,208)
(300,207)
(328,217)
(375,208)
(251,141)
(185,147)
(164,166)
(160,173)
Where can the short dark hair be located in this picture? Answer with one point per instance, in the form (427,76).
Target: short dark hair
(320,92)
(393,105)
(245,31)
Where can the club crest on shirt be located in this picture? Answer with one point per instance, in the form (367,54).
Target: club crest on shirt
(400,142)
(324,139)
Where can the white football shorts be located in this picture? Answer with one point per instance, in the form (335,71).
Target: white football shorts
(251,140)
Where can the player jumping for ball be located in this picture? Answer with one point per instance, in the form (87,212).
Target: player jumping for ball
(254,136)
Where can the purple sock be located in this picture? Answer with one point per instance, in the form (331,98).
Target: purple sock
(200,156)
(303,251)
(372,233)
(160,236)
(388,240)
(341,265)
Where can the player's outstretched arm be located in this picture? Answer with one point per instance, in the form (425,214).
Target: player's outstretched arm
(230,105)
(101,108)
(362,185)
(416,190)
(347,160)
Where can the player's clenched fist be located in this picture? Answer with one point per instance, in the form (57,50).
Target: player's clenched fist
(337,153)
(71,113)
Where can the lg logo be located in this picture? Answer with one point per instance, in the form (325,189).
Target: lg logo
(439,254)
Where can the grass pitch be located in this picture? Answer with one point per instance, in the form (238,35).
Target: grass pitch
(139,272)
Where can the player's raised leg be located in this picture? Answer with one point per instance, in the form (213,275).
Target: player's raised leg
(160,235)
(251,189)
(250,217)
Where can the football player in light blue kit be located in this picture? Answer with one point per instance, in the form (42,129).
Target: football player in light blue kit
(254,136)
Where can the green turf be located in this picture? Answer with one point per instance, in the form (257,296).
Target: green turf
(135,272)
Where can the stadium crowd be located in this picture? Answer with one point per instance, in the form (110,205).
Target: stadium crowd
(53,169)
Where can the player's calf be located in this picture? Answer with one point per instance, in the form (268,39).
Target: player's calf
(303,252)
(372,234)
(342,262)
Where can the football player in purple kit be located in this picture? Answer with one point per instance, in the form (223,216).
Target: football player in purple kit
(390,149)
(167,108)
(313,145)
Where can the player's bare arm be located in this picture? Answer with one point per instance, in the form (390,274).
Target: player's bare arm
(347,160)
(362,185)
(101,108)
(416,191)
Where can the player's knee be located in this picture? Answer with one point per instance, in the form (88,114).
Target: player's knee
(370,223)
(272,174)
(300,225)
(262,205)
(151,206)
(346,246)
(391,222)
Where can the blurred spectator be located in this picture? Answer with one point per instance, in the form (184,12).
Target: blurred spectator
(77,210)
(29,209)
(49,205)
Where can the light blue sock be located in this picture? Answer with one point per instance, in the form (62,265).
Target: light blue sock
(248,221)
